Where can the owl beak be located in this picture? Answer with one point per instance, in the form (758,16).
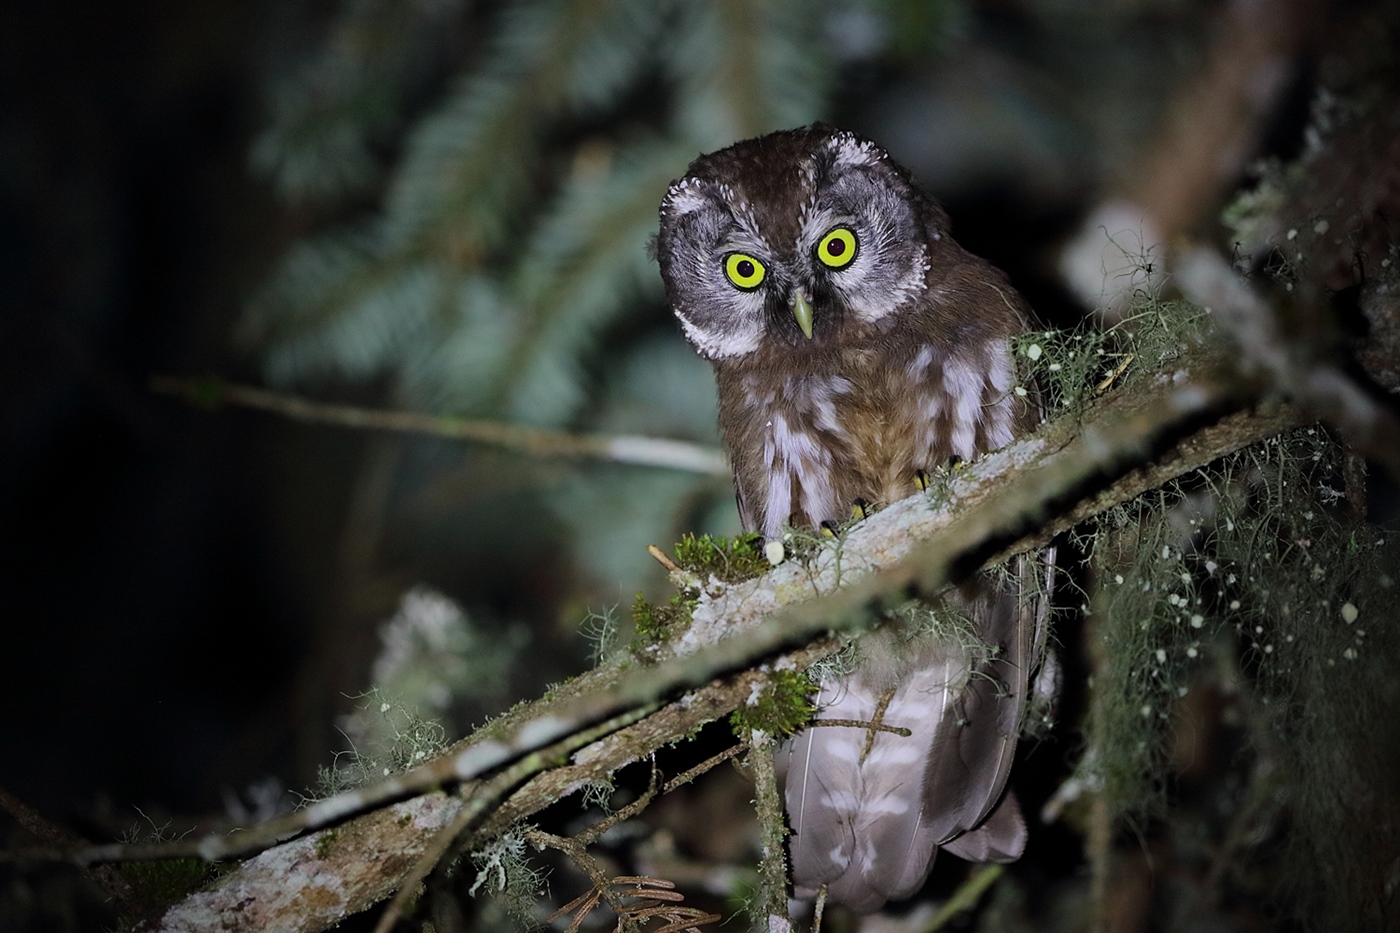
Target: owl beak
(802,310)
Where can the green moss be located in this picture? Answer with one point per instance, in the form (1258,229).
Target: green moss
(781,708)
(325,843)
(657,623)
(165,882)
(728,559)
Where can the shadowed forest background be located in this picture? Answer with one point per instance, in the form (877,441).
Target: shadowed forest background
(444,206)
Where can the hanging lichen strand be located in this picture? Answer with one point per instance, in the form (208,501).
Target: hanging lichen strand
(1254,579)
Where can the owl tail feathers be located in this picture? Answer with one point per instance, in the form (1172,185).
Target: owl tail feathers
(1001,837)
(863,881)
(857,826)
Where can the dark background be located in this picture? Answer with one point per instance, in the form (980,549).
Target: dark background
(189,597)
(161,563)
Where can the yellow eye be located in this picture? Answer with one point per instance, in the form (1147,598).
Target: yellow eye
(837,248)
(744,271)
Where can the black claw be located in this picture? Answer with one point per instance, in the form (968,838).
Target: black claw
(860,510)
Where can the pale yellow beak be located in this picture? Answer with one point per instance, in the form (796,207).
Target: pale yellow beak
(802,310)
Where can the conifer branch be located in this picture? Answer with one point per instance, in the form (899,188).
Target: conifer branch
(616,448)
(1009,502)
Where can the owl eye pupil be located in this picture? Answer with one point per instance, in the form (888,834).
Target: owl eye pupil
(835,248)
(745,268)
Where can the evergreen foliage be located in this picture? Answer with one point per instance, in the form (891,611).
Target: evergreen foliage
(502,271)
(488,183)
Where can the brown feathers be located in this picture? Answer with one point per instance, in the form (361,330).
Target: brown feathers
(856,346)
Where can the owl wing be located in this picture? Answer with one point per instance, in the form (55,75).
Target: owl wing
(1017,619)
(1001,838)
(973,748)
(869,815)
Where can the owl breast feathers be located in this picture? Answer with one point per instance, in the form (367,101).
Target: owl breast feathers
(855,346)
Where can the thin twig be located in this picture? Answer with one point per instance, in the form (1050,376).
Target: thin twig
(861,724)
(617,448)
(490,793)
(662,559)
(966,896)
(592,833)
(577,851)
(877,724)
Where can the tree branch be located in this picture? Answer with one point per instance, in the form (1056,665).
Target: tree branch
(364,845)
(617,448)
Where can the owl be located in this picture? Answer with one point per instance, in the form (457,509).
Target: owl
(856,347)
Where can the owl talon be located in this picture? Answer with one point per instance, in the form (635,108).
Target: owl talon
(921,480)
(828,529)
(860,510)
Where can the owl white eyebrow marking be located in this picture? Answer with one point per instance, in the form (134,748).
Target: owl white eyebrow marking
(851,151)
(743,241)
(809,203)
(683,198)
(814,223)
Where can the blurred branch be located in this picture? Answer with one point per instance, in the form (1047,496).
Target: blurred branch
(967,895)
(1296,366)
(1210,129)
(617,448)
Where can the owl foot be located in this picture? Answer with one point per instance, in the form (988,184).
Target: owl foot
(924,480)
(861,510)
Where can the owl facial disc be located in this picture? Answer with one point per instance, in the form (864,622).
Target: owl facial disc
(801,241)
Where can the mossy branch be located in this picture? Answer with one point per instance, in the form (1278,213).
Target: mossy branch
(1009,502)
(770,912)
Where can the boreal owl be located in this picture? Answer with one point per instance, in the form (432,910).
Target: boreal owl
(857,347)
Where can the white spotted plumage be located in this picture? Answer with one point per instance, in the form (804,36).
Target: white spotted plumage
(904,363)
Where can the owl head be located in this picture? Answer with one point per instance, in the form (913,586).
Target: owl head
(798,239)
